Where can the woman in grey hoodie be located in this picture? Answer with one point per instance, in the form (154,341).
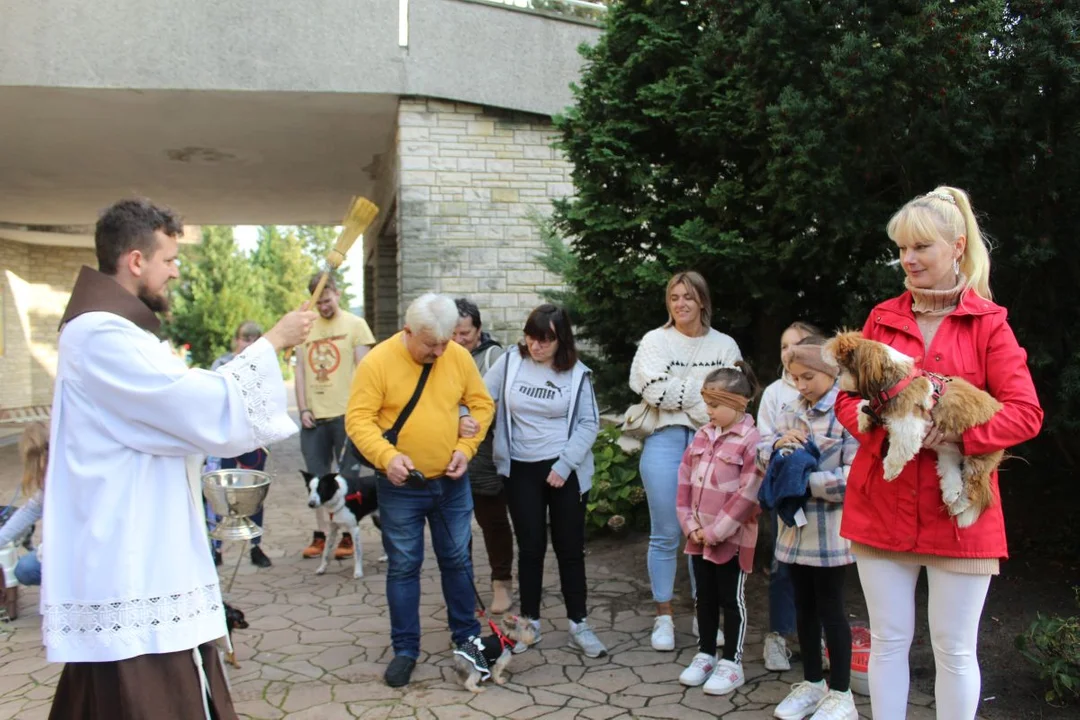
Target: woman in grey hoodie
(545,425)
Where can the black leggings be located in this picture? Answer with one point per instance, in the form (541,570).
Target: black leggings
(530,500)
(720,586)
(819,603)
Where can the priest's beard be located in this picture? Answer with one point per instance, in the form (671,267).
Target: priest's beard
(158,303)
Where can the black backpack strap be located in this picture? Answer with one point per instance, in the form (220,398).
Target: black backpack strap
(411,405)
(350,461)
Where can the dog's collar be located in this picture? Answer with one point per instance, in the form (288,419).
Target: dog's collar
(938,382)
(504,641)
(882,398)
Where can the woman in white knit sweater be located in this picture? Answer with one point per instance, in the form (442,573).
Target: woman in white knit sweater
(668,370)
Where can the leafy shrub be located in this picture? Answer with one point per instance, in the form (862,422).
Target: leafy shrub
(617,499)
(1052,644)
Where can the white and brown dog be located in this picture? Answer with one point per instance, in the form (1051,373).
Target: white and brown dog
(489,656)
(907,401)
(347,504)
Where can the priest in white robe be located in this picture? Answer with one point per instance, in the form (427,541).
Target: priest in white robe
(130,597)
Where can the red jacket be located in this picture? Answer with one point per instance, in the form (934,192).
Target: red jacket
(976,343)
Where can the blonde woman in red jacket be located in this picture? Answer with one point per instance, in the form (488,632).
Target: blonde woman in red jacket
(947,322)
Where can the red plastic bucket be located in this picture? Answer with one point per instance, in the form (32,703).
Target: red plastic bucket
(860,658)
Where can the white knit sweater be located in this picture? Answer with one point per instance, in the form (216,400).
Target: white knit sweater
(660,377)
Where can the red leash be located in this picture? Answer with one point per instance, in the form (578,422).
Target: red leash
(504,641)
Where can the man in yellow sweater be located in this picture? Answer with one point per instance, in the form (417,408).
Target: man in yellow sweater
(428,445)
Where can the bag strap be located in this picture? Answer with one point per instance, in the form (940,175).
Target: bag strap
(407,411)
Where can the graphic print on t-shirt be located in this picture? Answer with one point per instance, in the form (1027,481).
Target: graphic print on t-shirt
(324,357)
(539,403)
(547,391)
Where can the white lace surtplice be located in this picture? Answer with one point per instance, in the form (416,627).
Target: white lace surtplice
(129,572)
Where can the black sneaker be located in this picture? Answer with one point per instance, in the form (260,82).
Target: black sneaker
(473,652)
(217,557)
(258,557)
(399,672)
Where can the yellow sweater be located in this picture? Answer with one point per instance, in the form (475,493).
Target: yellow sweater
(382,386)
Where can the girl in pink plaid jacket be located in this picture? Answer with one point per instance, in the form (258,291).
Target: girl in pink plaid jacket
(717,507)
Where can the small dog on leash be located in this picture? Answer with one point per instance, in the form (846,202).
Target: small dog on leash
(234,620)
(907,401)
(490,655)
(347,504)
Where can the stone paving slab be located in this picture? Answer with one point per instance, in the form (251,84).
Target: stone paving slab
(318,645)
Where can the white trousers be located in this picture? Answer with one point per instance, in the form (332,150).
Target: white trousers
(955,606)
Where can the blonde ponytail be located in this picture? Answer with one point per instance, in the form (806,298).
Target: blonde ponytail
(945,214)
(975,262)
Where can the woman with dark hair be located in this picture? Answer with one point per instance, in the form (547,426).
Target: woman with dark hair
(546,423)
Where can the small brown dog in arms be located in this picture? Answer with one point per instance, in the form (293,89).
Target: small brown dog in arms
(907,402)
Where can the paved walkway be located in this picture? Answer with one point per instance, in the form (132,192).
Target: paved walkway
(317,646)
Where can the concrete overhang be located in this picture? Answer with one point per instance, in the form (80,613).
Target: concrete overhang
(246,112)
(217,157)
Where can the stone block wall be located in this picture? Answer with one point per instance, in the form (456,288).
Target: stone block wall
(36,282)
(469,177)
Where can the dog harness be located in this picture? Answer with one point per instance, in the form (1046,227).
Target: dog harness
(354,492)
(504,641)
(876,404)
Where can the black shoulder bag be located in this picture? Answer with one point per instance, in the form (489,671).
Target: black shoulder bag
(351,460)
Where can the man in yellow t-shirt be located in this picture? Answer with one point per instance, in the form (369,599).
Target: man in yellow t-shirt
(324,372)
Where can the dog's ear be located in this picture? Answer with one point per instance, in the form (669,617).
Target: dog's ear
(307,476)
(871,363)
(843,347)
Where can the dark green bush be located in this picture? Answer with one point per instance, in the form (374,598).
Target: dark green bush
(1052,644)
(617,499)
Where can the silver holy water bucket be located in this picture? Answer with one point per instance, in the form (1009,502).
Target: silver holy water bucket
(236,495)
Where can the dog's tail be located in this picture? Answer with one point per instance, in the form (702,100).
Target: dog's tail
(981,495)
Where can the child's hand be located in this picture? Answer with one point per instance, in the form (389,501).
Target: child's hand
(792,437)
(698,537)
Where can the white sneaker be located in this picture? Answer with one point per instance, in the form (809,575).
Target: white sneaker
(825,664)
(663,634)
(719,634)
(803,700)
(776,653)
(725,678)
(837,706)
(701,669)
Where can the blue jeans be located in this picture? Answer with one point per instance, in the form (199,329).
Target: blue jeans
(659,468)
(447,506)
(28,569)
(781,591)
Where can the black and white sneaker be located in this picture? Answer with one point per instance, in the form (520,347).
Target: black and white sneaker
(473,652)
